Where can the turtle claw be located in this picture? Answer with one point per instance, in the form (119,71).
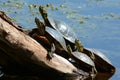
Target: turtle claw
(51,52)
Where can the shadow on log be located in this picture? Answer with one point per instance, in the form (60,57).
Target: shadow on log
(22,57)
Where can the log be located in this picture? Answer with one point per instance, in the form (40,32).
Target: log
(22,52)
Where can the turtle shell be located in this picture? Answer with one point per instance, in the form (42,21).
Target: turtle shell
(66,31)
(82,61)
(56,36)
(83,57)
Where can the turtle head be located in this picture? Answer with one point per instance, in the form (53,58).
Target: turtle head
(41,26)
(79,45)
(42,10)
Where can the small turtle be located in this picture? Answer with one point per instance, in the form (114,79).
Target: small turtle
(64,29)
(80,48)
(48,36)
(102,63)
(82,61)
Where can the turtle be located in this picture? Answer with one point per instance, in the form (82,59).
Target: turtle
(82,61)
(48,36)
(102,63)
(64,29)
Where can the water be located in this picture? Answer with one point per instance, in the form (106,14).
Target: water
(96,22)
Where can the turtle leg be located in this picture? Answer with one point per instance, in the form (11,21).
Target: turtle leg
(69,50)
(70,53)
(93,73)
(52,50)
(94,70)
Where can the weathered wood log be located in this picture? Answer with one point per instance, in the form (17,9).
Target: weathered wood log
(18,49)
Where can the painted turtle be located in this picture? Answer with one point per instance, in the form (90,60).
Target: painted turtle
(82,61)
(60,26)
(102,63)
(49,36)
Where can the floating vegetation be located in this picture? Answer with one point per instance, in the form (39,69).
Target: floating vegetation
(106,16)
(111,15)
(13,4)
(82,22)
(52,7)
(96,2)
(63,6)
(14,19)
(33,6)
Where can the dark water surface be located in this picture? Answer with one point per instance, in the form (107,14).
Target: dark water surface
(96,22)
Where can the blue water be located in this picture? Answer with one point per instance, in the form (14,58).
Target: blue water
(96,22)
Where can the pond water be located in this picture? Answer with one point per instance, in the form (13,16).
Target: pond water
(96,22)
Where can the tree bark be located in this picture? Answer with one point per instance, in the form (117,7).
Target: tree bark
(19,49)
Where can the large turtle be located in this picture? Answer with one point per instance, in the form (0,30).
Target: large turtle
(60,26)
